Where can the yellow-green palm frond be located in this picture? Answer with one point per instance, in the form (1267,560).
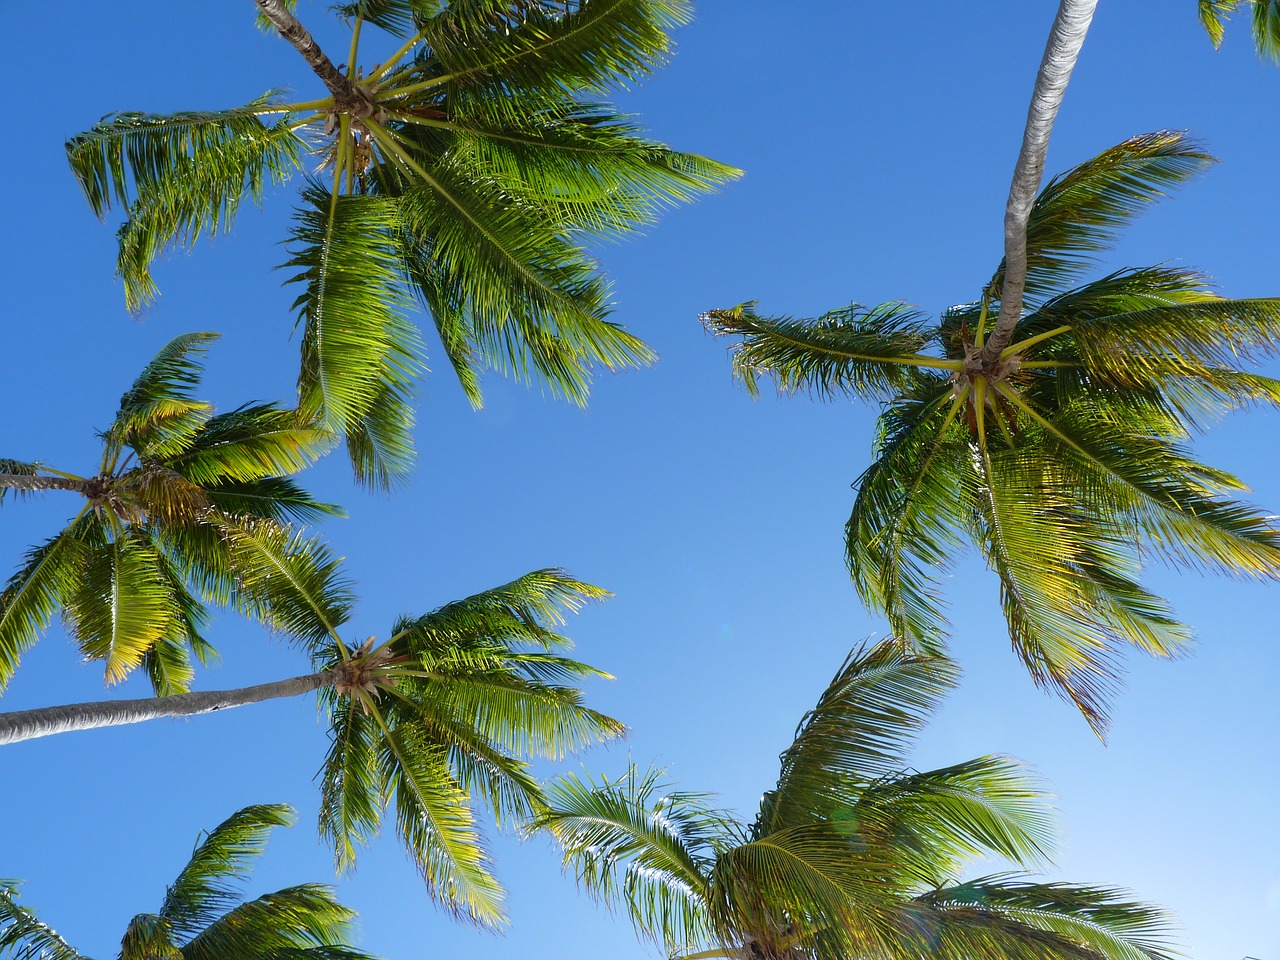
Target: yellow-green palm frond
(24,936)
(641,846)
(251,443)
(1078,214)
(1265,19)
(159,414)
(870,351)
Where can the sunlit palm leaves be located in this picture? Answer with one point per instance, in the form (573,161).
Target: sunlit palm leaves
(1067,463)
(442,716)
(851,853)
(157,537)
(469,171)
(1264,16)
(204,915)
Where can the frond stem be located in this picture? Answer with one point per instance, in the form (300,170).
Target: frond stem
(397,56)
(1009,351)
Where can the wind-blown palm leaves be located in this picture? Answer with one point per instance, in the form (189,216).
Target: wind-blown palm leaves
(469,169)
(1264,17)
(204,915)
(851,854)
(177,486)
(1066,461)
(441,716)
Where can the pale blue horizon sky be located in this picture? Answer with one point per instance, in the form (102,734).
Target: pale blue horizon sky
(877,144)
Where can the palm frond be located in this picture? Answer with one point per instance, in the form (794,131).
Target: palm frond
(40,587)
(122,605)
(486,48)
(159,415)
(1266,28)
(400,18)
(209,883)
(860,350)
(1077,215)
(904,527)
(23,937)
(641,846)
(271,498)
(352,796)
(275,924)
(251,443)
(355,338)
(289,581)
(863,723)
(1213,13)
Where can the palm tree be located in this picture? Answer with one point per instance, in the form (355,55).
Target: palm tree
(204,915)
(1265,21)
(1066,462)
(851,854)
(443,714)
(176,485)
(469,169)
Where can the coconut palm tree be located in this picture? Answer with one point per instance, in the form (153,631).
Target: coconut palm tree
(443,714)
(1066,461)
(468,169)
(204,915)
(1265,19)
(151,544)
(851,853)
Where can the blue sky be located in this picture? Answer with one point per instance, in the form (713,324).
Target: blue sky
(877,142)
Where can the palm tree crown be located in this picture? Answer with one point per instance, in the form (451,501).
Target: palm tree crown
(204,915)
(468,170)
(179,493)
(1065,460)
(851,853)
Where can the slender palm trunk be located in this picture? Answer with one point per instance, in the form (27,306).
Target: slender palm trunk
(46,721)
(1060,55)
(33,484)
(291,28)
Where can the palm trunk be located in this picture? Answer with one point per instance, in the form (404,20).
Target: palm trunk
(33,484)
(291,28)
(46,721)
(1060,54)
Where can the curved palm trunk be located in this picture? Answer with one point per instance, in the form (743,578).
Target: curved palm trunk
(1060,54)
(291,28)
(46,721)
(33,484)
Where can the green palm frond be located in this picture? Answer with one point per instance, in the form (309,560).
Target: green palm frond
(250,443)
(1265,19)
(866,350)
(359,354)
(23,936)
(159,414)
(40,588)
(288,580)
(864,722)
(351,794)
(209,884)
(1078,214)
(1093,921)
(272,498)
(400,18)
(641,846)
(906,520)
(275,924)
(435,820)
(122,605)
(938,820)
(500,53)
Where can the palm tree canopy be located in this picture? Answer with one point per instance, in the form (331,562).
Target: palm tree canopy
(468,171)
(851,853)
(441,716)
(1067,462)
(176,485)
(204,915)
(1264,18)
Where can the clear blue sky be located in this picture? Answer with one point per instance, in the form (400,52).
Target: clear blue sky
(878,140)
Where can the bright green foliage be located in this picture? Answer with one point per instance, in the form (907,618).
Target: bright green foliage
(204,915)
(851,854)
(445,714)
(157,536)
(1067,465)
(470,173)
(1265,20)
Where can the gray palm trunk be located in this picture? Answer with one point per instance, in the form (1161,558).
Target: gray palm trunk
(29,483)
(292,30)
(21,725)
(1060,55)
